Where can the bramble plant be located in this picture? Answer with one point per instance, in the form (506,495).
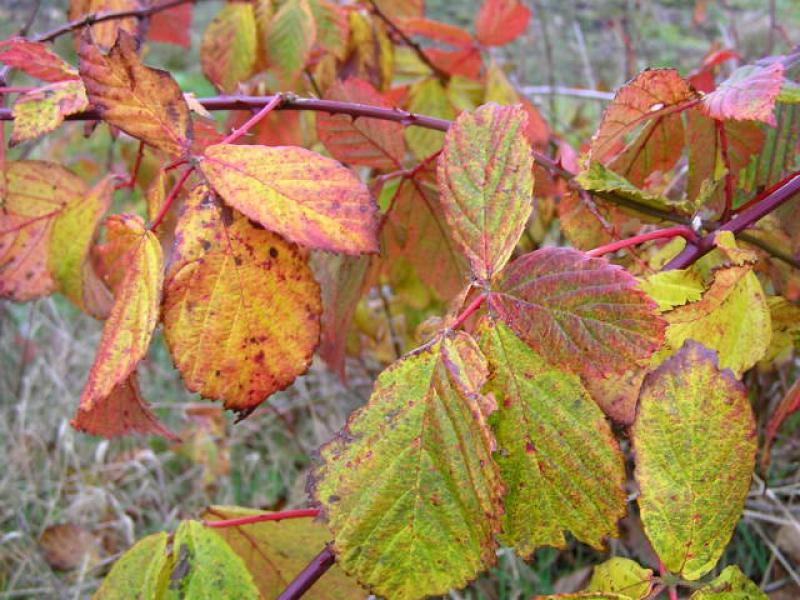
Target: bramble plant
(404,159)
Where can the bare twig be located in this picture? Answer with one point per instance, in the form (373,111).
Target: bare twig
(308,576)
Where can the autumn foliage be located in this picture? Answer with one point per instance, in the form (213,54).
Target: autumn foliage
(404,159)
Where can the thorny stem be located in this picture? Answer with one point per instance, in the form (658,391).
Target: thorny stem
(670,232)
(468,312)
(309,576)
(440,75)
(107,15)
(276,516)
(171,198)
(274,103)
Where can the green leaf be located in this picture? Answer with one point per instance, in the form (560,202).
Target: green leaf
(142,573)
(561,465)
(486,181)
(673,288)
(207,567)
(623,576)
(598,178)
(785,320)
(427,97)
(409,486)
(582,313)
(290,37)
(695,443)
(731,584)
(275,552)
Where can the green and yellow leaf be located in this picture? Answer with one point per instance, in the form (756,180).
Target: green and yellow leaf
(143,572)
(695,445)
(427,97)
(731,584)
(289,38)
(622,576)
(228,49)
(42,110)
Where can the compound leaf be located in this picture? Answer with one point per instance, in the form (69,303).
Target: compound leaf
(129,328)
(695,444)
(307,198)
(486,182)
(409,486)
(363,141)
(228,49)
(276,551)
(241,307)
(561,465)
(583,313)
(144,102)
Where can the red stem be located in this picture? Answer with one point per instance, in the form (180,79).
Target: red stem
(768,202)
(171,198)
(309,576)
(723,146)
(276,516)
(468,312)
(670,232)
(131,182)
(274,103)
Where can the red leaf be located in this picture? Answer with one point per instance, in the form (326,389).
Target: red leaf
(123,412)
(788,405)
(435,30)
(579,312)
(501,21)
(369,142)
(748,94)
(703,78)
(172,26)
(36,60)
(466,61)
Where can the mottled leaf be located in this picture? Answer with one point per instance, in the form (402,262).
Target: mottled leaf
(409,486)
(599,178)
(144,102)
(276,551)
(332,26)
(588,222)
(731,584)
(105,33)
(33,194)
(74,232)
(129,328)
(36,59)
(206,567)
(486,182)
(561,465)
(122,412)
(228,49)
(657,148)
(748,94)
(695,444)
(427,97)
(583,313)
(142,572)
(42,110)
(305,197)
(622,576)
(652,94)
(241,308)
(290,37)
(499,22)
(673,288)
(617,394)
(363,141)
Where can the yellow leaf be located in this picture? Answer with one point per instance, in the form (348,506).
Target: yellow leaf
(241,307)
(307,198)
(144,102)
(428,97)
(105,33)
(43,109)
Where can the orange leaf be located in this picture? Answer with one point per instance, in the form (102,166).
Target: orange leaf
(33,194)
(122,412)
(241,308)
(36,60)
(134,314)
(435,30)
(651,94)
(305,197)
(369,142)
(143,102)
(105,33)
(500,21)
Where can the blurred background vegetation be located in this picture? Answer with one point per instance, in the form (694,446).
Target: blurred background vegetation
(70,504)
